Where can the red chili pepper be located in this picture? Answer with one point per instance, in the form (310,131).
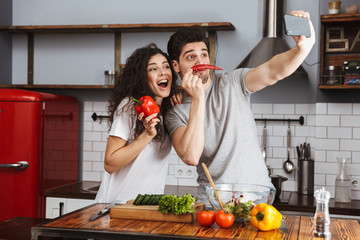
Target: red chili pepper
(205,66)
(146,105)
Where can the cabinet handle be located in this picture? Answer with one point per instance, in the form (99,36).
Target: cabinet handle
(61,209)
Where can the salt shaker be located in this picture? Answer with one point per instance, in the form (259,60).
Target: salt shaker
(322,216)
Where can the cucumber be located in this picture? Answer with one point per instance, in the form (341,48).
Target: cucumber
(148,199)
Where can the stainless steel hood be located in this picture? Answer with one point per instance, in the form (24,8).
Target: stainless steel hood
(272,42)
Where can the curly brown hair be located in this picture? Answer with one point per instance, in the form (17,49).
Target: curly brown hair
(132,83)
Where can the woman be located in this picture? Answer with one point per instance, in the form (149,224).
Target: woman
(136,157)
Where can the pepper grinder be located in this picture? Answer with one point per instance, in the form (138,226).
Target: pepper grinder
(322,216)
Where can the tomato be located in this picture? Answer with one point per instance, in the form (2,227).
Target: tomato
(223,219)
(206,218)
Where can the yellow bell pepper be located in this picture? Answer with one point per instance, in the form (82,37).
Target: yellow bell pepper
(265,217)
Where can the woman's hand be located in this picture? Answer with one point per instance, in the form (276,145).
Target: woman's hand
(176,99)
(149,123)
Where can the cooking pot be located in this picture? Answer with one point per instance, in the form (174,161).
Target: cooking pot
(277,181)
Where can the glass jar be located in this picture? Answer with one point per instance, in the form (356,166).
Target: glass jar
(343,182)
(110,77)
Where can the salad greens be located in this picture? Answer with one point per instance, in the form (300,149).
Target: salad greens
(177,205)
(239,206)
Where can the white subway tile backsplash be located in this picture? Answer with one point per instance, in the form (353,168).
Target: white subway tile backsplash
(319,179)
(310,120)
(349,145)
(350,121)
(100,107)
(100,126)
(92,136)
(284,108)
(326,168)
(88,126)
(87,146)
(339,108)
(87,166)
(332,155)
(98,166)
(332,129)
(305,109)
(88,106)
(320,156)
(91,156)
(354,169)
(99,146)
(304,131)
(355,158)
(356,133)
(356,108)
(328,120)
(321,108)
(327,144)
(261,108)
(321,132)
(92,176)
(330,180)
(339,132)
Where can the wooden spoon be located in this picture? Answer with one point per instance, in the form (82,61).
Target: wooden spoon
(212,185)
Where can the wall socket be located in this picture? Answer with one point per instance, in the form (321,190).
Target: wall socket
(185,171)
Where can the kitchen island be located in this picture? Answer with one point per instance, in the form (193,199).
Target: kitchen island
(77,225)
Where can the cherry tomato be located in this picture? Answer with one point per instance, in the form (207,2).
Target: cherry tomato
(206,218)
(223,219)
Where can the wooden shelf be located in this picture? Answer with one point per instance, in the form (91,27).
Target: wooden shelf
(115,28)
(25,86)
(339,42)
(339,86)
(340,17)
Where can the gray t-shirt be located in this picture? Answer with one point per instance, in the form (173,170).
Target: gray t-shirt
(231,152)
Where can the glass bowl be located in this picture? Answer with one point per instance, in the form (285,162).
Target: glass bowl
(240,194)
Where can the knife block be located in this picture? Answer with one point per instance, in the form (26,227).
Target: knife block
(306,176)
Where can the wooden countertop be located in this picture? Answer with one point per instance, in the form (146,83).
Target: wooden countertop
(76,224)
(290,201)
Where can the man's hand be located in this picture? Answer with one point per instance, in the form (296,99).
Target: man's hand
(302,42)
(192,84)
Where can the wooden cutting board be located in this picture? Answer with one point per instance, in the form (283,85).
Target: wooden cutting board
(151,212)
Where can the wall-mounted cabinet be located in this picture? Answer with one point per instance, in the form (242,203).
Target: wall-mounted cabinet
(340,51)
(116,29)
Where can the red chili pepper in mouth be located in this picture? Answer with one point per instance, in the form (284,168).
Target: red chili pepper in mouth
(204,67)
(146,105)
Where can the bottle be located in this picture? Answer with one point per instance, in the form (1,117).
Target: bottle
(343,182)
(322,216)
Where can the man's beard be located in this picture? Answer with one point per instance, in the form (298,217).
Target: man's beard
(204,77)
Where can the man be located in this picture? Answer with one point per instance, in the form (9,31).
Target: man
(214,124)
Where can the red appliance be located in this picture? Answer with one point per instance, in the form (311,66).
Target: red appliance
(39,135)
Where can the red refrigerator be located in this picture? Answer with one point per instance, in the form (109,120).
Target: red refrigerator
(39,135)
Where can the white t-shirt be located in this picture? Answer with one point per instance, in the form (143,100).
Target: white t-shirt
(145,175)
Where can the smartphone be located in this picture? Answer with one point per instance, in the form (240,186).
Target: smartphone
(296,26)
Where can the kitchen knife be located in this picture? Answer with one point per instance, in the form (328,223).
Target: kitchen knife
(102,212)
(283,226)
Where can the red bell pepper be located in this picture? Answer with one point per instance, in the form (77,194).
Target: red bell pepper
(146,105)
(205,66)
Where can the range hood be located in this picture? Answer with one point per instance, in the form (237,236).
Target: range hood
(272,42)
